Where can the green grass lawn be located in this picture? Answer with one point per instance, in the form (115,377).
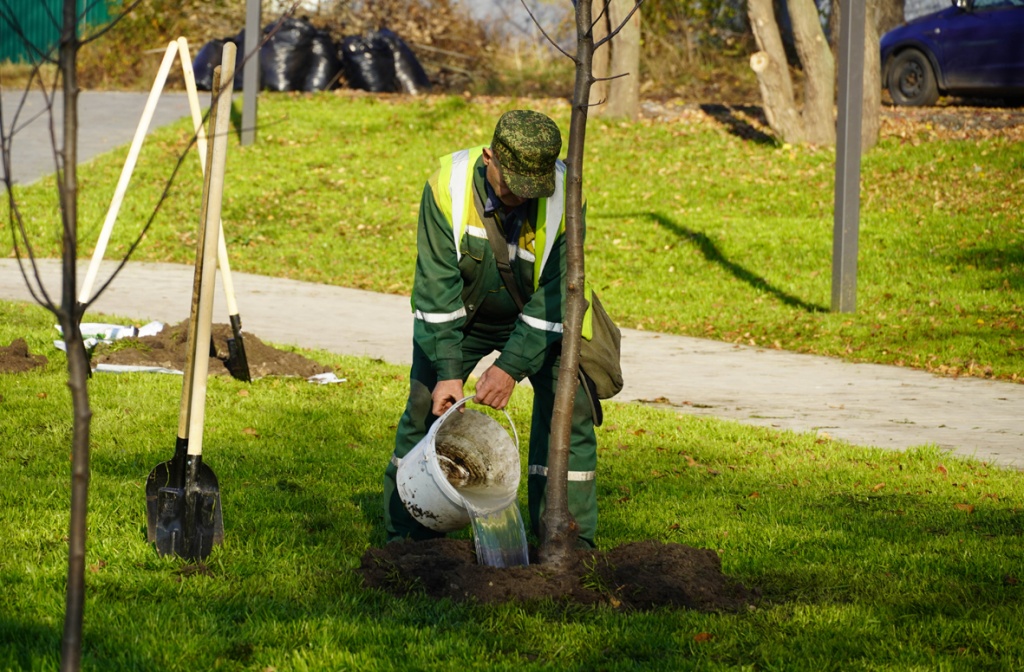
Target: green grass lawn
(866,559)
(692,228)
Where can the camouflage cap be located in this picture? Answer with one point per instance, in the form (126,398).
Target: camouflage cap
(527,144)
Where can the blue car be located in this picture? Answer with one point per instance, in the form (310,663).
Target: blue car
(974,48)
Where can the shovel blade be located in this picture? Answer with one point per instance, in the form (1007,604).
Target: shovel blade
(184,521)
(237,364)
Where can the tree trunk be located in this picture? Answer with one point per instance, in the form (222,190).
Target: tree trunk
(769,64)
(871,114)
(624,90)
(602,62)
(888,14)
(558,529)
(78,364)
(876,12)
(819,72)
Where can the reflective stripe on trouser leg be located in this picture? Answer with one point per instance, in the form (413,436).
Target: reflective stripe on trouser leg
(582,486)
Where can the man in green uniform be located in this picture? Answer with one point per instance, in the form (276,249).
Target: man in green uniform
(463,310)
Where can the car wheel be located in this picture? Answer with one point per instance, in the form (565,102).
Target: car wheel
(911,79)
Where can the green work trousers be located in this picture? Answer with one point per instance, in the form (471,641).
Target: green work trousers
(417,419)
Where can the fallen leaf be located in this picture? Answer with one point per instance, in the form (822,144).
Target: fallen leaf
(250,432)
(969,508)
(243,393)
(703,637)
(754,495)
(878,487)
(942,470)
(41,395)
(97,567)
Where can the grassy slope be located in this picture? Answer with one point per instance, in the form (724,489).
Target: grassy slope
(692,229)
(867,559)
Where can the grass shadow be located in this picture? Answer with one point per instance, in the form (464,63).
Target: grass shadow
(711,253)
(729,117)
(1008,261)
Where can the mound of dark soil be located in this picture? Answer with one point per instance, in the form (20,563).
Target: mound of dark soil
(638,576)
(168,350)
(15,358)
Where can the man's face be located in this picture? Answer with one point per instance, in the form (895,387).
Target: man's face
(497,181)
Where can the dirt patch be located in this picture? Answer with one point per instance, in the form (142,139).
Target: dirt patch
(637,576)
(167,349)
(15,358)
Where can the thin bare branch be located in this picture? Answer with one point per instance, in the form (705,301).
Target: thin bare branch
(544,33)
(608,79)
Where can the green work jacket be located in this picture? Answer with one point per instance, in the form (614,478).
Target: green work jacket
(456,275)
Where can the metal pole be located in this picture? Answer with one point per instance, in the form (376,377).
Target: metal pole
(251,71)
(848,135)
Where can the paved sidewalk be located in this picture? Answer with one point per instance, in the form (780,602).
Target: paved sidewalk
(865,404)
(106,120)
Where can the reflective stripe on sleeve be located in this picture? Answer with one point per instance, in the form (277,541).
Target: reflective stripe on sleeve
(543,325)
(476,232)
(440,318)
(539,470)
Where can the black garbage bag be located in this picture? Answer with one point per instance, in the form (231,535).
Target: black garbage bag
(411,77)
(205,61)
(284,58)
(324,66)
(368,64)
(209,57)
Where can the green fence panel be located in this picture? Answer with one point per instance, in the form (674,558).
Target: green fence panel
(30,28)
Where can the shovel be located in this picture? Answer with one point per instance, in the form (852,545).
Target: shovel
(237,364)
(182,495)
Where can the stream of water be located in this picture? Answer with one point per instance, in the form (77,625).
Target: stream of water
(498,529)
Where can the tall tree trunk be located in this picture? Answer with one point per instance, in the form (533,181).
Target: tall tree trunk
(624,90)
(602,62)
(773,79)
(819,73)
(78,365)
(877,14)
(871,121)
(558,529)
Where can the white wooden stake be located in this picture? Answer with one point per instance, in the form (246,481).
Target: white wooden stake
(126,172)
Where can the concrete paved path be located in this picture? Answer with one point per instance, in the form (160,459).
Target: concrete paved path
(865,404)
(106,119)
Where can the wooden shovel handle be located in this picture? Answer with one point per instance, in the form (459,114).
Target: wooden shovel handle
(213,194)
(197,124)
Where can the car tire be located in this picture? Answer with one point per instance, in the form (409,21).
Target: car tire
(911,80)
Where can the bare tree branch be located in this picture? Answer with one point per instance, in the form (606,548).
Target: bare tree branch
(544,33)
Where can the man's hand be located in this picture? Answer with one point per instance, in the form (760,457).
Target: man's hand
(446,393)
(494,388)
